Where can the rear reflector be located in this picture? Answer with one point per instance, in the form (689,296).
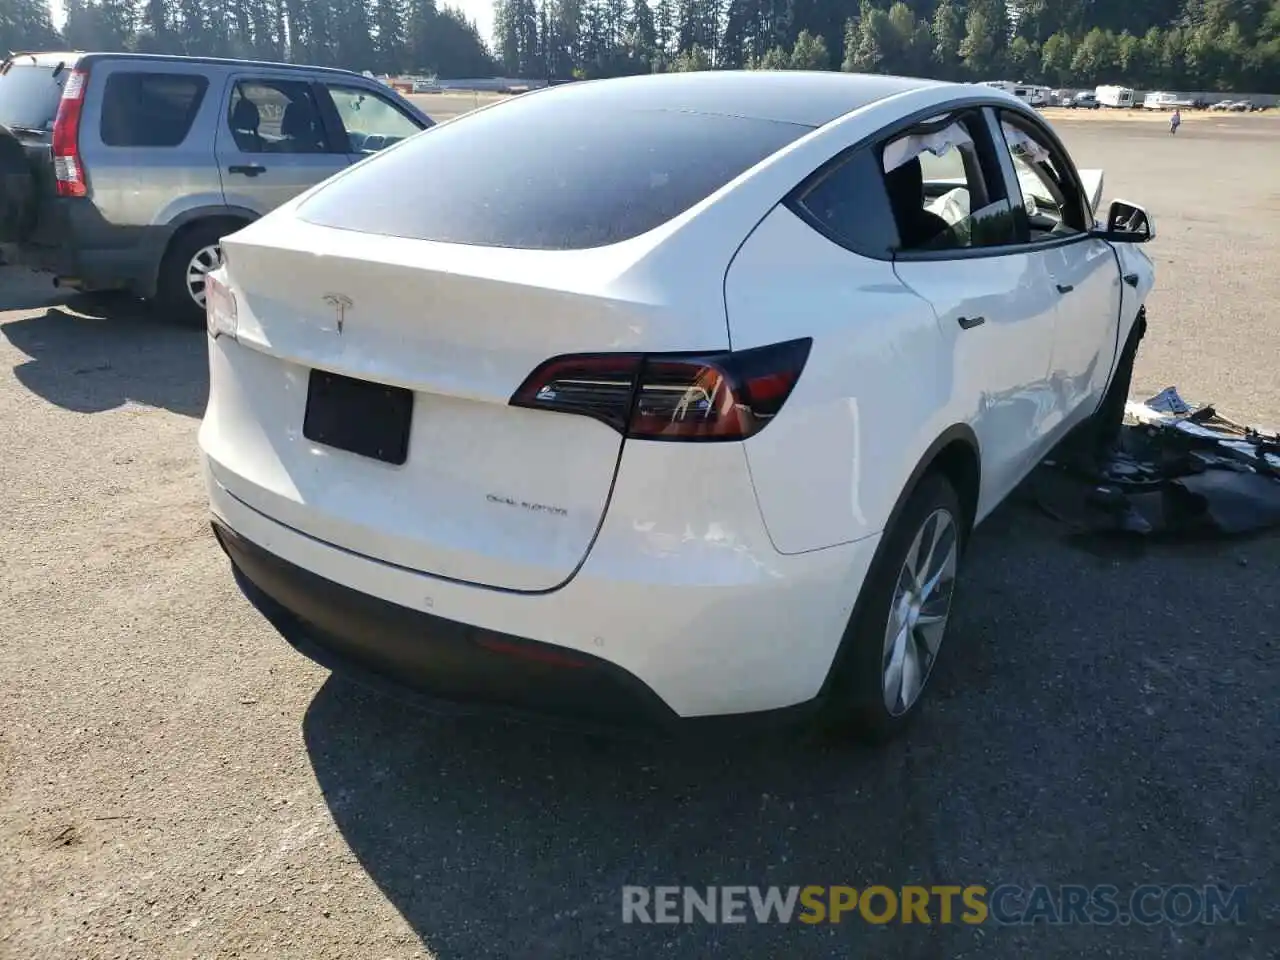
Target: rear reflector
(697,397)
(538,654)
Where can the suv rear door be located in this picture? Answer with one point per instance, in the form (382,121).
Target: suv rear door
(272,142)
(146,137)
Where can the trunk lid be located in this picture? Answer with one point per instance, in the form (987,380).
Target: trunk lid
(488,493)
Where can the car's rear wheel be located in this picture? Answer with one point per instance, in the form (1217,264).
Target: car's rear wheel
(893,640)
(193,254)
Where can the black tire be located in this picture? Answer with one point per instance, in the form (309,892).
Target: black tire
(173,298)
(856,699)
(18,199)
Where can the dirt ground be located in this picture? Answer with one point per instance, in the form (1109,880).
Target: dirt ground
(176,782)
(445,106)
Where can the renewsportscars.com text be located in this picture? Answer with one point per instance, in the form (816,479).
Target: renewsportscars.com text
(1005,905)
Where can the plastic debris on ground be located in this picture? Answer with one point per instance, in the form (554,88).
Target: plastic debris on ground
(1177,469)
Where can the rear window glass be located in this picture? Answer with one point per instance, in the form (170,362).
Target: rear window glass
(150,109)
(29,96)
(534,175)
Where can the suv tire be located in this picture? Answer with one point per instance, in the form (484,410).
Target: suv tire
(858,701)
(179,287)
(17,190)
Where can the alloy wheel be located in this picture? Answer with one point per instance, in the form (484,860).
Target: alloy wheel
(206,259)
(919,611)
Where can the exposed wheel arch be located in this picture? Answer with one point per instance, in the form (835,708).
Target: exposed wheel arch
(181,225)
(955,455)
(192,251)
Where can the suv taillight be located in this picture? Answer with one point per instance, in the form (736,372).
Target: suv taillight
(671,396)
(67,168)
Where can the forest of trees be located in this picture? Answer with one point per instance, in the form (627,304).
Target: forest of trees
(1170,44)
(386,36)
(1227,45)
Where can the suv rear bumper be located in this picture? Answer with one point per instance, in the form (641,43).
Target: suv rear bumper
(73,242)
(452,668)
(437,663)
(654,644)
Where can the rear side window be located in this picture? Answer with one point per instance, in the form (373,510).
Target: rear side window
(150,109)
(848,203)
(534,175)
(29,95)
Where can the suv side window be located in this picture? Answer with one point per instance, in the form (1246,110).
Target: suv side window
(847,203)
(1054,206)
(275,116)
(946,188)
(370,122)
(150,109)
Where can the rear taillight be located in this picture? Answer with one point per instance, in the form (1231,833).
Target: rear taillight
(667,396)
(220,310)
(67,168)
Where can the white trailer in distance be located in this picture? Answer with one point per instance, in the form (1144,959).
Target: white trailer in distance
(1115,97)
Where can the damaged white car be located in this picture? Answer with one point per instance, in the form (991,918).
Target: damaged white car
(662,399)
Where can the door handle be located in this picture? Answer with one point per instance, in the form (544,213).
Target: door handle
(1065,288)
(1131,279)
(968,323)
(248,169)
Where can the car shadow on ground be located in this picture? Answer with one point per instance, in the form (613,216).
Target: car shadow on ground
(1095,722)
(96,353)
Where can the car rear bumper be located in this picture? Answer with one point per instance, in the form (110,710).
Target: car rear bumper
(433,661)
(616,646)
(75,243)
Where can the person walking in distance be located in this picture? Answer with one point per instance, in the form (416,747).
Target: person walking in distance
(1175,121)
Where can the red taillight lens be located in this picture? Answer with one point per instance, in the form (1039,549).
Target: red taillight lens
(67,168)
(718,396)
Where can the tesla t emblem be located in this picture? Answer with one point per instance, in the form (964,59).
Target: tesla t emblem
(341,304)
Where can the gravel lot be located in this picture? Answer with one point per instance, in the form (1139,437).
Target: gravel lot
(175,782)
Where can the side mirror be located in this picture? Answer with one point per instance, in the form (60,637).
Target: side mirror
(1127,223)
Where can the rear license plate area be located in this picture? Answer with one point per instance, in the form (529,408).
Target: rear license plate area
(369,419)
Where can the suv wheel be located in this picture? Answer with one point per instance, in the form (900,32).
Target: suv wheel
(895,635)
(191,256)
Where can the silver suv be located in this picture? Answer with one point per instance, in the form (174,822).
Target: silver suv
(123,171)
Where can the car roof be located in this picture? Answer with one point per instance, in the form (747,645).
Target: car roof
(73,57)
(805,98)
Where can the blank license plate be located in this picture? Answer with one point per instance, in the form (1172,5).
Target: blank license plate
(370,419)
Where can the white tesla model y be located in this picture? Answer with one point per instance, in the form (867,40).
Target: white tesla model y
(661,399)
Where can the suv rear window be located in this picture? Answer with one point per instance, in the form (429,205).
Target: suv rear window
(29,95)
(538,176)
(150,109)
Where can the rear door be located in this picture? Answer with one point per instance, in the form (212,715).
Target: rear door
(272,142)
(994,302)
(146,139)
(369,120)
